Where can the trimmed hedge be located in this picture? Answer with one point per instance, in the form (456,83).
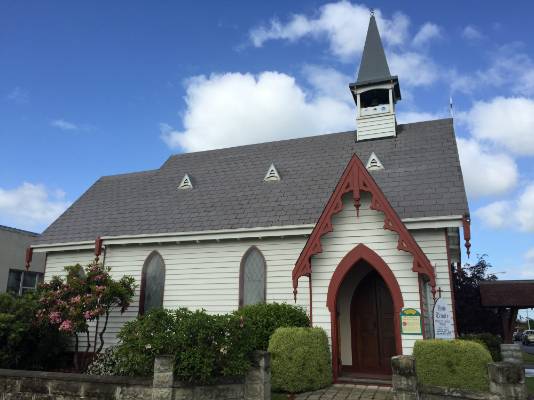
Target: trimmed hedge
(300,360)
(263,319)
(490,341)
(458,364)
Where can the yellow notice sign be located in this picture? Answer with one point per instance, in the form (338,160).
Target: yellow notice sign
(410,319)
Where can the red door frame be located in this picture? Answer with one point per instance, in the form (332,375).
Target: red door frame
(361,253)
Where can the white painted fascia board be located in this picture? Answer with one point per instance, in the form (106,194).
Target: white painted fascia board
(448,221)
(227,234)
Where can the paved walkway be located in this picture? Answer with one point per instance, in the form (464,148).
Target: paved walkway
(349,392)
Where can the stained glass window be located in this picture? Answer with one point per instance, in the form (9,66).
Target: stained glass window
(153,283)
(253,277)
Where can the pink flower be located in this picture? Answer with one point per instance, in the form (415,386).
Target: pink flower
(75,300)
(100,288)
(55,317)
(88,315)
(66,326)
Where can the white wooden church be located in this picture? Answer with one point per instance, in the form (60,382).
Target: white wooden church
(360,228)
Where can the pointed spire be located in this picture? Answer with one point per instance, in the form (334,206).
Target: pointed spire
(374,65)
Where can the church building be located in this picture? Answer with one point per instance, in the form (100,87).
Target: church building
(360,228)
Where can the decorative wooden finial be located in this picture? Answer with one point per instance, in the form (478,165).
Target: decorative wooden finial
(372,12)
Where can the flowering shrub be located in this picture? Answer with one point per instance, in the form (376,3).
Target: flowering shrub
(84,295)
(205,347)
(105,363)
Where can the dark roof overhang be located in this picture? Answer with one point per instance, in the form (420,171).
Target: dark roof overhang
(510,293)
(373,82)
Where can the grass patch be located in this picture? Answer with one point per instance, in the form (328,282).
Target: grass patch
(530,385)
(528,358)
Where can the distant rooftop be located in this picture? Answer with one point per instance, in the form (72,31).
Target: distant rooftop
(16,230)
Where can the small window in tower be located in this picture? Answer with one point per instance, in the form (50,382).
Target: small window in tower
(185,183)
(272,174)
(374,163)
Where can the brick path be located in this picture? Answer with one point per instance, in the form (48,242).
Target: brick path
(349,392)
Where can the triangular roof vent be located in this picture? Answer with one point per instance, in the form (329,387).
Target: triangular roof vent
(272,174)
(185,183)
(374,163)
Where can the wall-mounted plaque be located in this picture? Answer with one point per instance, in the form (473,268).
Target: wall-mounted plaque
(410,320)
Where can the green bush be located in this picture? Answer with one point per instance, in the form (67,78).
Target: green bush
(26,343)
(264,319)
(205,347)
(300,360)
(490,341)
(459,364)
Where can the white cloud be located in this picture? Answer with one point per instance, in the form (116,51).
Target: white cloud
(31,205)
(413,69)
(428,32)
(486,172)
(495,215)
(64,125)
(329,82)
(518,213)
(342,23)
(231,109)
(472,33)
(529,255)
(18,96)
(507,122)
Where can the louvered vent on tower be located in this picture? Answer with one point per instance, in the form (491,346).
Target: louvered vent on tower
(374,163)
(272,174)
(185,183)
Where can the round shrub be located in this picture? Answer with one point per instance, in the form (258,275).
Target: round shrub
(458,364)
(490,341)
(263,319)
(205,347)
(300,360)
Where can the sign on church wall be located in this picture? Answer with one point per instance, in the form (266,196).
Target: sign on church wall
(443,320)
(410,319)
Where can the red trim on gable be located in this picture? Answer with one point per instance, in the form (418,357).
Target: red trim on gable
(467,234)
(356,179)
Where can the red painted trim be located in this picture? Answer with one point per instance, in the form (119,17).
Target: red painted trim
(28,259)
(98,247)
(361,253)
(449,267)
(242,270)
(467,234)
(356,179)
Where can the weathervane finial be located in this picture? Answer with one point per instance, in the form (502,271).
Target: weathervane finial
(372,12)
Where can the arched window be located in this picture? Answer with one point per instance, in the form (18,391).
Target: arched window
(252,278)
(152,283)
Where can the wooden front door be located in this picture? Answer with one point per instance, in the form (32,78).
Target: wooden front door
(373,333)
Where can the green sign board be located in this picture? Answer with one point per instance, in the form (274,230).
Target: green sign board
(410,320)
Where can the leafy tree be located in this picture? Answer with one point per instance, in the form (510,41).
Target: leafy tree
(471,316)
(85,295)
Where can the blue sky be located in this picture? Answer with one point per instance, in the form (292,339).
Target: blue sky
(99,88)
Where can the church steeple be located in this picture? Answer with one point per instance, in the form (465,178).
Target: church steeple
(375,91)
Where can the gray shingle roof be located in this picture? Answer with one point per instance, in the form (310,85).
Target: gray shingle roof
(374,66)
(422,178)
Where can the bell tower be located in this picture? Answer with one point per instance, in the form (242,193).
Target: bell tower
(375,91)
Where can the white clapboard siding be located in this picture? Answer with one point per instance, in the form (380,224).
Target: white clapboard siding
(201,275)
(434,243)
(349,231)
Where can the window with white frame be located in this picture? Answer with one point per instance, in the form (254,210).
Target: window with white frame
(20,281)
(252,279)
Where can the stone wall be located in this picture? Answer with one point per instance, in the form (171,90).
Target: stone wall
(507,382)
(21,385)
